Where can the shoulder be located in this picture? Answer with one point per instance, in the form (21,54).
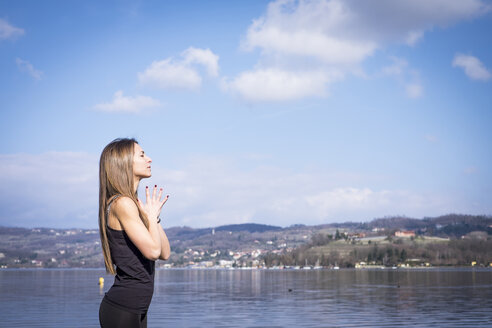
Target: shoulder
(124,206)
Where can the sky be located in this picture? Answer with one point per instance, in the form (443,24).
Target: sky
(282,112)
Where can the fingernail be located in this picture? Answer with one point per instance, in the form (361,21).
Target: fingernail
(155,186)
(161,189)
(146,187)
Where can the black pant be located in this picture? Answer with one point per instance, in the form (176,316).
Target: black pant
(111,316)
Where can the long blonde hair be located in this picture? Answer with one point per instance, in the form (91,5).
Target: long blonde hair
(116,178)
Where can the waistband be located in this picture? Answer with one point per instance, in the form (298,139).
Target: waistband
(121,307)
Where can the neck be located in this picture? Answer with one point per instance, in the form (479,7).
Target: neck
(136,181)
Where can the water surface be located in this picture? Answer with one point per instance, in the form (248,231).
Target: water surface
(260,298)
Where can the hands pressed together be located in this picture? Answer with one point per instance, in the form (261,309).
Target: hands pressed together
(153,204)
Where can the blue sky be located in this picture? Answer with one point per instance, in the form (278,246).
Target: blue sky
(276,112)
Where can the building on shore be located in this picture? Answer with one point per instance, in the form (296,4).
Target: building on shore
(405,233)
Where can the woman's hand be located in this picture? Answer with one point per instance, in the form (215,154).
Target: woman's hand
(153,205)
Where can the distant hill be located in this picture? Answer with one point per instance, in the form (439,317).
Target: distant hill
(186,233)
(450,225)
(249,227)
(458,225)
(455,219)
(398,223)
(46,247)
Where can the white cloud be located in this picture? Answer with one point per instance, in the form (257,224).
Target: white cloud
(414,90)
(307,29)
(181,74)
(413,37)
(339,35)
(398,67)
(8,31)
(212,191)
(349,197)
(328,49)
(204,57)
(473,67)
(121,103)
(406,76)
(165,74)
(54,189)
(27,67)
(60,189)
(278,85)
(342,32)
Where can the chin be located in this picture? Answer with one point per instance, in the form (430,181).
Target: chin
(144,175)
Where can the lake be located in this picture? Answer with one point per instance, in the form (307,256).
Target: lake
(259,298)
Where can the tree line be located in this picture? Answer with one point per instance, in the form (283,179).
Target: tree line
(393,252)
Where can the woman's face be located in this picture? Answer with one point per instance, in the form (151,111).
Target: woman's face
(141,163)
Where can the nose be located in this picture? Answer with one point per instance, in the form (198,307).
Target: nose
(149,159)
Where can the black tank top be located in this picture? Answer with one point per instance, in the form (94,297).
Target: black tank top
(134,281)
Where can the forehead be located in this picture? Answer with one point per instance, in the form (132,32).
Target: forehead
(138,149)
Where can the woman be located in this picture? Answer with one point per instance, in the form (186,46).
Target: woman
(131,237)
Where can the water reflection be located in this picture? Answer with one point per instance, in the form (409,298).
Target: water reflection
(345,297)
(236,298)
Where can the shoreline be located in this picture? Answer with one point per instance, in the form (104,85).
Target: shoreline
(435,268)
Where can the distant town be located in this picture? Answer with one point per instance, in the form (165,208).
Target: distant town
(392,242)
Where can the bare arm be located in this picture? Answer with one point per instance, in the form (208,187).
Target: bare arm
(165,247)
(148,241)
